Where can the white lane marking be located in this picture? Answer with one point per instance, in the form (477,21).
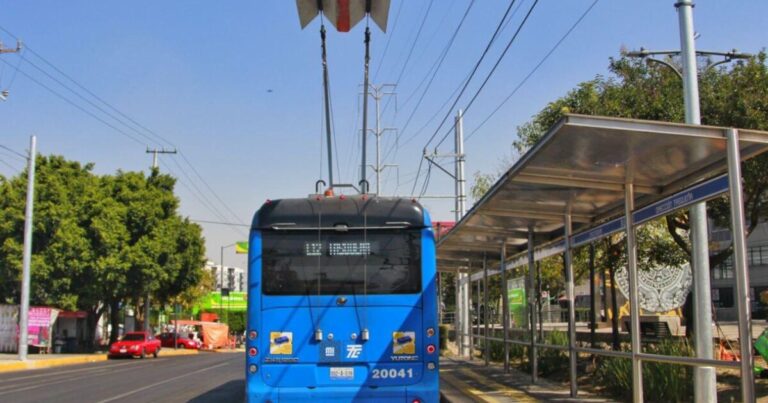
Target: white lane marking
(64,372)
(61,380)
(161,383)
(40,385)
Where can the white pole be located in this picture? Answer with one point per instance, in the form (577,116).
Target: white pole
(27,257)
(705,384)
(460,208)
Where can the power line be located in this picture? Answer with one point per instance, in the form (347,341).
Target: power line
(389,37)
(487,78)
(14,152)
(231,224)
(495,66)
(439,61)
(413,44)
(16,169)
(436,67)
(474,70)
(535,68)
(89,102)
(205,183)
(108,105)
(87,91)
(196,192)
(69,101)
(464,87)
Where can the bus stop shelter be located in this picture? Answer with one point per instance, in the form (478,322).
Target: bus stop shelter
(587,178)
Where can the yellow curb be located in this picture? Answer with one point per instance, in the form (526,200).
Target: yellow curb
(498,387)
(465,388)
(168,352)
(225,351)
(51,362)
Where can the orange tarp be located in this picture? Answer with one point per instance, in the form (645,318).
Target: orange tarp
(215,335)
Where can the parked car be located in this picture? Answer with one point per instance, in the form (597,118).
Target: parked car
(182,341)
(135,344)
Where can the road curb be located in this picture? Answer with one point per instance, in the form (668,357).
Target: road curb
(225,351)
(50,362)
(169,352)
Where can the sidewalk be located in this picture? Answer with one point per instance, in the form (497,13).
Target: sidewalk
(471,381)
(9,362)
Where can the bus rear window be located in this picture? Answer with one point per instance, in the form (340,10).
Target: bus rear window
(329,263)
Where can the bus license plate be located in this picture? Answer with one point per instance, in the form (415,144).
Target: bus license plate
(342,373)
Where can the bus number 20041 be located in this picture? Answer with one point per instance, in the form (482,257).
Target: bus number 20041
(392,373)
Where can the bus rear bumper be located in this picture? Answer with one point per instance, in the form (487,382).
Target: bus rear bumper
(409,394)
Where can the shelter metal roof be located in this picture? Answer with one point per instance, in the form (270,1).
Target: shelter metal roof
(582,165)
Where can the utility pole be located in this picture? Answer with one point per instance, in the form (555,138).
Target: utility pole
(460,208)
(154,153)
(705,381)
(27,256)
(460,199)
(3,49)
(705,384)
(377,93)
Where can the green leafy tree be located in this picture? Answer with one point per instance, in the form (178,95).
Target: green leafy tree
(98,241)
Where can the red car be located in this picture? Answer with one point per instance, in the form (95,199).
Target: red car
(182,341)
(135,344)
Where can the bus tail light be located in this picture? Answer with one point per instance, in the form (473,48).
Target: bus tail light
(253,351)
(253,368)
(417,400)
(431,366)
(252,335)
(430,332)
(431,349)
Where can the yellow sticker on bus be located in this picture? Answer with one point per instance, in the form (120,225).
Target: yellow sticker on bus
(403,343)
(281,343)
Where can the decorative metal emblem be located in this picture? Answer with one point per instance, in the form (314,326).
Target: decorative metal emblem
(660,289)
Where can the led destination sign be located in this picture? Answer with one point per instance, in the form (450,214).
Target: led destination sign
(338,248)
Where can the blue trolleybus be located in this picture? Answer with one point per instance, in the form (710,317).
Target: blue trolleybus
(342,301)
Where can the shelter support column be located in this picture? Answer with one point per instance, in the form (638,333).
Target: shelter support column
(571,306)
(505,305)
(634,305)
(470,326)
(486,315)
(740,265)
(457,326)
(463,292)
(533,296)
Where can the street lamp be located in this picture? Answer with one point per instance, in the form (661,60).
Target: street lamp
(649,57)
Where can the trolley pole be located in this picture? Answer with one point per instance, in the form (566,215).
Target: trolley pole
(705,385)
(27,256)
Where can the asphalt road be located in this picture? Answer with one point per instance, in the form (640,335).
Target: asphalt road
(206,377)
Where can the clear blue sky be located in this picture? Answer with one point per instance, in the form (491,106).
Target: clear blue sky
(236,85)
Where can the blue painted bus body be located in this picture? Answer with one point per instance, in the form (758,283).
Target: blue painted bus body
(302,368)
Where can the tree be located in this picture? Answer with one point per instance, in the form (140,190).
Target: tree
(98,241)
